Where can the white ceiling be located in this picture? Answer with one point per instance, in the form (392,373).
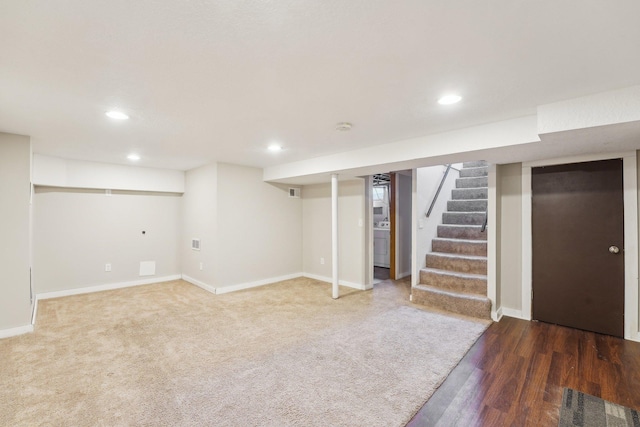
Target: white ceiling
(219,80)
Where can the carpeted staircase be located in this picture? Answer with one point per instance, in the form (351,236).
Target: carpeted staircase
(455,277)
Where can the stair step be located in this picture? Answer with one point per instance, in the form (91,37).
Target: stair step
(472,182)
(477,205)
(454,282)
(475,164)
(473,172)
(462,303)
(466,218)
(454,231)
(461,263)
(469,193)
(460,246)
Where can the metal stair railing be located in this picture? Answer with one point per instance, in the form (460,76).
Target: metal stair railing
(435,198)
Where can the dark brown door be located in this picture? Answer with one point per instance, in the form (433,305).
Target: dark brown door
(578,241)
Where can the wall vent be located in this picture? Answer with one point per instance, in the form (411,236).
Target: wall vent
(195,244)
(294,193)
(147,268)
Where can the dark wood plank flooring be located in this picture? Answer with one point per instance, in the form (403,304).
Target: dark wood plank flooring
(515,373)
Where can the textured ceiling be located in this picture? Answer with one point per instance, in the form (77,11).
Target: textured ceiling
(219,80)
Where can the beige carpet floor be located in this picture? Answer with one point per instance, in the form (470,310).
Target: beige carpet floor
(286,354)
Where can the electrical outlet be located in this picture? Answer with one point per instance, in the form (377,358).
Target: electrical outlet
(201,266)
(107,267)
(322,261)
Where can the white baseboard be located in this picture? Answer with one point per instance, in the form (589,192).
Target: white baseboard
(107,287)
(497,315)
(34,311)
(635,337)
(510,312)
(199,284)
(12,332)
(404,274)
(340,282)
(248,285)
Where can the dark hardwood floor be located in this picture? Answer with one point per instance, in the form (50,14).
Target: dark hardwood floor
(515,373)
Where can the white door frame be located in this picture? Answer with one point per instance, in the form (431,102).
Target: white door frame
(630,184)
(492,241)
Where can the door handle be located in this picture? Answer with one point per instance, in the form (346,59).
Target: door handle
(614,249)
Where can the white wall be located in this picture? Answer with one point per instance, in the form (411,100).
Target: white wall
(199,220)
(605,108)
(316,229)
(428,180)
(509,238)
(15,190)
(462,144)
(58,172)
(78,231)
(259,228)
(316,236)
(403,225)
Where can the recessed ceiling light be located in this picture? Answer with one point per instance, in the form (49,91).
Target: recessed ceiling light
(275,147)
(449,99)
(133,157)
(118,115)
(343,126)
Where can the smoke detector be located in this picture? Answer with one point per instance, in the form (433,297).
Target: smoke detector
(343,126)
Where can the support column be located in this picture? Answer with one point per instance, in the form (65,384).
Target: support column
(334,235)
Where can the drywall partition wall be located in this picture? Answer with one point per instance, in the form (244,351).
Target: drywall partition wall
(494,246)
(15,189)
(427,182)
(351,232)
(458,145)
(601,109)
(638,249)
(403,226)
(58,172)
(316,220)
(316,225)
(77,232)
(509,274)
(199,221)
(259,229)
(637,333)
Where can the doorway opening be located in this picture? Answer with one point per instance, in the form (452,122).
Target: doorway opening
(392,215)
(381,200)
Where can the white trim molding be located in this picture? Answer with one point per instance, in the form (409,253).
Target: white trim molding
(415,266)
(630,177)
(107,287)
(404,274)
(199,284)
(248,285)
(630,183)
(12,332)
(342,282)
(510,312)
(233,288)
(527,245)
(492,240)
(34,310)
